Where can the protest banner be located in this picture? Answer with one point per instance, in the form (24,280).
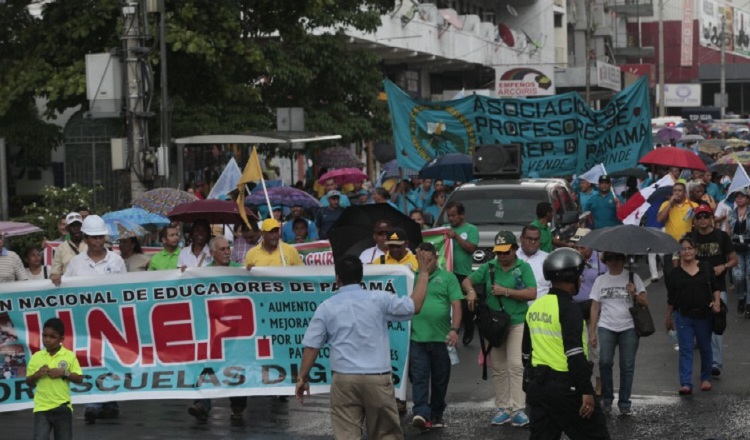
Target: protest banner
(559,135)
(204,333)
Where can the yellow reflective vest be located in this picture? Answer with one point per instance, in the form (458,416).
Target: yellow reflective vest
(545,330)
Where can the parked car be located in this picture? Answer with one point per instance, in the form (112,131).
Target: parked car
(492,205)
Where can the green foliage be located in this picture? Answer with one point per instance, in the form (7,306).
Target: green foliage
(57,202)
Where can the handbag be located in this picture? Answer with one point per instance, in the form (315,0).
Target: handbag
(720,319)
(492,325)
(644,323)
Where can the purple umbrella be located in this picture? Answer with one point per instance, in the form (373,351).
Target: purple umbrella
(666,134)
(12,229)
(337,157)
(283,195)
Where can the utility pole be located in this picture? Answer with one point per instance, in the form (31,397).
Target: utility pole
(589,4)
(661,58)
(166,136)
(135,117)
(723,69)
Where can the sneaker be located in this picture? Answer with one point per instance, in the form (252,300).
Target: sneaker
(198,412)
(90,416)
(740,306)
(437,422)
(715,371)
(419,422)
(625,411)
(501,417)
(519,419)
(676,347)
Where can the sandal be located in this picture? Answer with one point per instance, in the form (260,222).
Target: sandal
(706,386)
(686,391)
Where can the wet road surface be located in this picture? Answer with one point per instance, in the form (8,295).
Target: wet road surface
(658,411)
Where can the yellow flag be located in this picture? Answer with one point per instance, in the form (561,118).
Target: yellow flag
(251,173)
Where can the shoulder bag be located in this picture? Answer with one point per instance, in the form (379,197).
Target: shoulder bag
(492,325)
(644,323)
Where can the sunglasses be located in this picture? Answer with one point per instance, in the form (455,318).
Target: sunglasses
(703,216)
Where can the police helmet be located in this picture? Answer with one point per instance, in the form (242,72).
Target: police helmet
(563,264)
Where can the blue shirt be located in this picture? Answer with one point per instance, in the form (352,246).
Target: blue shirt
(343,201)
(354,323)
(287,231)
(714,191)
(603,210)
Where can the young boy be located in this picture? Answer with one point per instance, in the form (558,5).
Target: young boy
(50,370)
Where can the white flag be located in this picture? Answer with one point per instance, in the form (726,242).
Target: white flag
(740,180)
(594,173)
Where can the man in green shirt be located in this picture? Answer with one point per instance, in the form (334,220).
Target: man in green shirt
(465,238)
(543,218)
(432,332)
(167,257)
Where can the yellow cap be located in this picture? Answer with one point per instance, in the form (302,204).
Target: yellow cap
(269,224)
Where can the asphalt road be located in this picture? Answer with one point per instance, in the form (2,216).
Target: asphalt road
(658,411)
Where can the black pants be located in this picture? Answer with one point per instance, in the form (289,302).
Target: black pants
(553,409)
(467,316)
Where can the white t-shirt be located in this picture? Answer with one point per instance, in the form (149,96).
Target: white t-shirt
(82,265)
(188,258)
(610,292)
(536,262)
(370,254)
(42,275)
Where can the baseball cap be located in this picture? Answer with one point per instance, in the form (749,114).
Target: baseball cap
(703,208)
(504,240)
(396,236)
(580,233)
(269,224)
(73,217)
(382,225)
(333,193)
(605,178)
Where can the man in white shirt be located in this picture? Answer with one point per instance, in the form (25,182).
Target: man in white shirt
(96,260)
(197,254)
(379,235)
(529,252)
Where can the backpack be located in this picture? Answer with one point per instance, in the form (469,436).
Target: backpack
(492,325)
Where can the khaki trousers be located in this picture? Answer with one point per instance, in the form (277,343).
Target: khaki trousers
(357,398)
(507,371)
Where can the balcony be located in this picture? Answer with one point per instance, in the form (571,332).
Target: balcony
(631,8)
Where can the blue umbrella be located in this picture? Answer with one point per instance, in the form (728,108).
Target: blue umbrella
(138,216)
(119,229)
(452,166)
(391,169)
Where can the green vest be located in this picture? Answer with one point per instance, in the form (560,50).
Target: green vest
(543,320)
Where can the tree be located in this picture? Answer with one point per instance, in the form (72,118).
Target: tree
(231,63)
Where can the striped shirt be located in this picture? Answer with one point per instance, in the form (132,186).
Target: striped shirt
(11,267)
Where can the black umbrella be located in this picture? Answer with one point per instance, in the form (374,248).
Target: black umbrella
(352,232)
(631,240)
(638,173)
(451,166)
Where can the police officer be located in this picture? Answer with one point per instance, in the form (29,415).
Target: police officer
(557,374)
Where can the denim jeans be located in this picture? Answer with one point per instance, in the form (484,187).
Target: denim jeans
(58,420)
(628,343)
(716,341)
(741,277)
(430,370)
(701,330)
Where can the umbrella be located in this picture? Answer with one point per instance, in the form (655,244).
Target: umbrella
(337,157)
(352,232)
(506,35)
(14,229)
(668,133)
(727,165)
(162,200)
(283,195)
(121,228)
(343,176)
(709,148)
(692,138)
(391,169)
(631,240)
(138,216)
(638,173)
(673,157)
(213,211)
(708,160)
(451,166)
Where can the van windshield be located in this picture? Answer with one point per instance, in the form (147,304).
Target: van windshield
(514,206)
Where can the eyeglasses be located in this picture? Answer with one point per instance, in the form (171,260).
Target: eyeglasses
(532,239)
(703,216)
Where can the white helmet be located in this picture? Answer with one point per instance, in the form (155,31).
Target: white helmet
(94,225)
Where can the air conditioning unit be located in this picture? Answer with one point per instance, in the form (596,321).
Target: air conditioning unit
(498,161)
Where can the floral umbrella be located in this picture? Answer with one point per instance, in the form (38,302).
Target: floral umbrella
(337,157)
(121,228)
(162,200)
(727,165)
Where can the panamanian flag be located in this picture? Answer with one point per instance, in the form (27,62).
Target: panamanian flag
(632,212)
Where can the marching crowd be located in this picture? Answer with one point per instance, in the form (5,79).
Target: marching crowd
(588,285)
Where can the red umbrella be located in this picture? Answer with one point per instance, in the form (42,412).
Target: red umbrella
(673,157)
(212,210)
(343,176)
(506,35)
(12,229)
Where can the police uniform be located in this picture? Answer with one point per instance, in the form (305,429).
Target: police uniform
(557,372)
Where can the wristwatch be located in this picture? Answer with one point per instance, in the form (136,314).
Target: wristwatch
(457,330)
(66,375)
